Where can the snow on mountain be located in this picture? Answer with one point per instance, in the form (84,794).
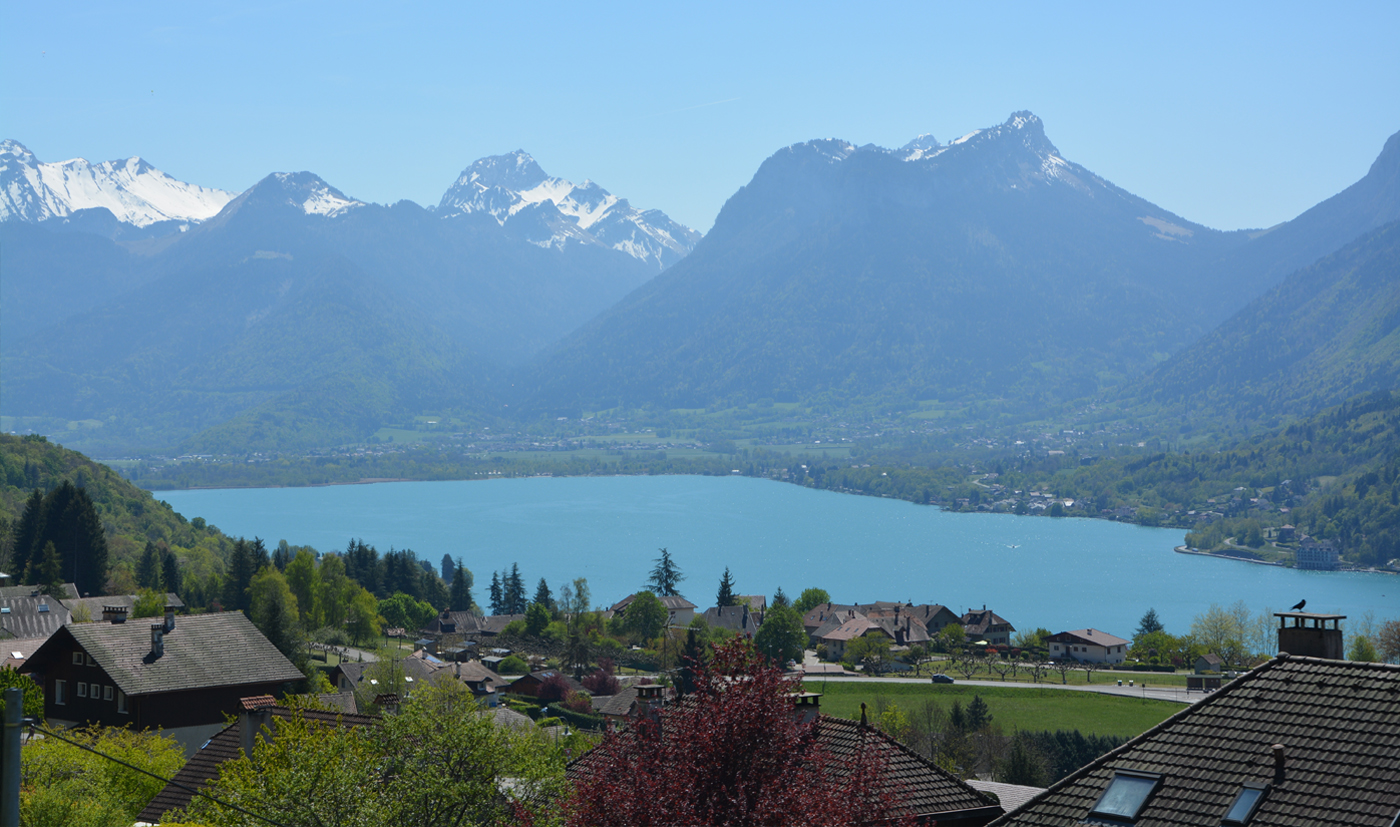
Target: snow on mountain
(553,212)
(924,146)
(313,195)
(133,190)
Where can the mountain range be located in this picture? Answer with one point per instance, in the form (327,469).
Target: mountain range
(988,271)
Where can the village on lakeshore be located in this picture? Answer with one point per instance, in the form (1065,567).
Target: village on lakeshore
(226,702)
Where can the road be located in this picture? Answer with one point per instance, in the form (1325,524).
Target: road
(1177,694)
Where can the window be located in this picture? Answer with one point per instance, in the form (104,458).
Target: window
(106,693)
(121,702)
(1126,794)
(90,661)
(1245,804)
(77,658)
(60,692)
(96,691)
(82,689)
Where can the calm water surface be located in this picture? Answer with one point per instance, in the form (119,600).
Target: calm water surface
(1057,573)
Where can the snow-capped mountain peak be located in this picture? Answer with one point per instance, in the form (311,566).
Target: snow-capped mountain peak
(924,146)
(133,190)
(314,196)
(553,212)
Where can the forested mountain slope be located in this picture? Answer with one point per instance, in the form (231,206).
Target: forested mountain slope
(1329,332)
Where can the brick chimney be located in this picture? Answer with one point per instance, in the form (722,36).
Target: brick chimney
(806,706)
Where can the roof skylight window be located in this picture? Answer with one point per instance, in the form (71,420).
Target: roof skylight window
(1126,795)
(1245,804)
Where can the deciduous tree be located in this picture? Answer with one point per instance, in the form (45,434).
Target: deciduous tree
(810,599)
(782,636)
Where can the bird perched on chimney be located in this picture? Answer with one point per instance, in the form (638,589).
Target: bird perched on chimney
(1299,607)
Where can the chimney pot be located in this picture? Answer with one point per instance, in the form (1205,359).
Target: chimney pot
(169,619)
(157,640)
(1278,757)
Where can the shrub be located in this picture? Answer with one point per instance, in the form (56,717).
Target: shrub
(513,665)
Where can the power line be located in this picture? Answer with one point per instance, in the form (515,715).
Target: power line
(51,734)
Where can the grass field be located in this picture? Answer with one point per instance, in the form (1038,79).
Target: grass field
(1011,707)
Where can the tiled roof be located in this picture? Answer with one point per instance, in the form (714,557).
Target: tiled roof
(1337,721)
(203,766)
(977,622)
(96,604)
(69,591)
(1092,637)
(672,602)
(853,629)
(31,617)
(220,649)
(734,618)
(495,624)
(908,778)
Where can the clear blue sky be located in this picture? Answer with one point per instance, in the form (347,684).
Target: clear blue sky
(1232,115)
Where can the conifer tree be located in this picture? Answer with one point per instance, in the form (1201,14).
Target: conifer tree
(780,599)
(459,598)
(725,596)
(448,570)
(170,573)
(242,565)
(46,570)
(497,597)
(665,576)
(27,531)
(543,597)
(148,570)
(514,591)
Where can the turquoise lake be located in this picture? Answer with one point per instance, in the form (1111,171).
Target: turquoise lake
(1034,571)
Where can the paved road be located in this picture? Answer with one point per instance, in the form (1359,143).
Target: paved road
(1177,694)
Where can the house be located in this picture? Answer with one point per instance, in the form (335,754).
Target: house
(925,793)
(67,592)
(679,611)
(986,626)
(465,624)
(934,616)
(1297,741)
(530,684)
(822,614)
(493,625)
(1209,663)
(756,602)
(254,714)
(31,617)
(180,677)
(839,638)
(633,702)
(737,619)
(94,607)
(1088,646)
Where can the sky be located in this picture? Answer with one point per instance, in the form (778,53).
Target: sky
(1231,115)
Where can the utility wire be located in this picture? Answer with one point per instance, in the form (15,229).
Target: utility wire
(51,734)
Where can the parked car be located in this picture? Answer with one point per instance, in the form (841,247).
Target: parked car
(941,678)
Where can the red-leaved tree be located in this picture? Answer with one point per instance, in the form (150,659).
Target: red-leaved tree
(732,752)
(555,687)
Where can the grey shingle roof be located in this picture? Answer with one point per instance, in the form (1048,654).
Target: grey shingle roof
(1338,722)
(69,591)
(222,649)
(31,617)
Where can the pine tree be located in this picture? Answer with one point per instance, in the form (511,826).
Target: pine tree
(170,573)
(497,597)
(725,597)
(242,565)
(514,591)
(27,531)
(1148,624)
(148,570)
(780,599)
(261,559)
(46,570)
(282,556)
(460,595)
(543,597)
(665,576)
(448,571)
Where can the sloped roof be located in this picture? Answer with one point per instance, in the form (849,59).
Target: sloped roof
(976,622)
(495,624)
(1010,796)
(854,629)
(734,618)
(1092,637)
(128,601)
(908,778)
(1338,723)
(221,649)
(672,602)
(203,766)
(69,591)
(31,617)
